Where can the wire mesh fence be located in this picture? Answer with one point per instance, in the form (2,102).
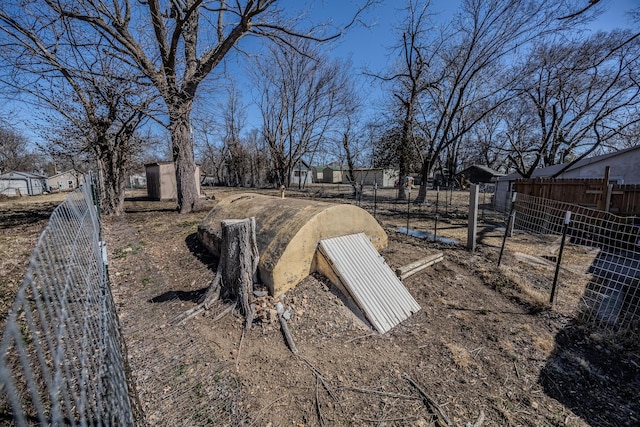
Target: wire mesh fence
(61,357)
(596,265)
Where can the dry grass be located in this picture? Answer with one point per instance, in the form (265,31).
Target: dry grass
(460,355)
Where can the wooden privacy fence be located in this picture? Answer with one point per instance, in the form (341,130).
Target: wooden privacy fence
(621,199)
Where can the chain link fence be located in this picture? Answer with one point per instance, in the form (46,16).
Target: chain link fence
(61,357)
(593,257)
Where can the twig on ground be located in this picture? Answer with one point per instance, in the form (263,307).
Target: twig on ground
(381,393)
(186,315)
(515,365)
(285,328)
(318,408)
(479,420)
(224,312)
(441,417)
(373,334)
(205,302)
(319,375)
(265,408)
(388,420)
(239,347)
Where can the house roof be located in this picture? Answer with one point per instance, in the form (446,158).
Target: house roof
(17,174)
(486,169)
(554,169)
(70,171)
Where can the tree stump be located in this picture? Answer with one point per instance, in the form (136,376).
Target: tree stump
(237,270)
(238,265)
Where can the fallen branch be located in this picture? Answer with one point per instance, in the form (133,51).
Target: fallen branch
(319,376)
(318,409)
(373,334)
(479,420)
(285,328)
(224,312)
(417,266)
(239,348)
(266,408)
(441,417)
(388,420)
(381,393)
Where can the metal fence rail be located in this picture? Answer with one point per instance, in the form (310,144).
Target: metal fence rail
(61,358)
(603,253)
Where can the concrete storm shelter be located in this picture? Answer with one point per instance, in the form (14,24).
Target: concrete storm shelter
(288,231)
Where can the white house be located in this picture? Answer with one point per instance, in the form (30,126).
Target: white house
(624,168)
(65,181)
(22,184)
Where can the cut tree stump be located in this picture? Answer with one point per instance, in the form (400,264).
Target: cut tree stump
(238,263)
(237,270)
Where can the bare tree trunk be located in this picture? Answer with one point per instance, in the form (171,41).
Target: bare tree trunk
(112,185)
(182,144)
(239,263)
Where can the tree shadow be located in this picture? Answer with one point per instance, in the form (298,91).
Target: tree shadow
(191,296)
(140,204)
(16,217)
(597,379)
(597,373)
(201,254)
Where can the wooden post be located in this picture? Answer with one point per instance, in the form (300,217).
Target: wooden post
(603,204)
(607,197)
(473,217)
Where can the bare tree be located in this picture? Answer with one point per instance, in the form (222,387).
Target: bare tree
(15,153)
(177,44)
(89,89)
(583,93)
(466,68)
(302,98)
(410,79)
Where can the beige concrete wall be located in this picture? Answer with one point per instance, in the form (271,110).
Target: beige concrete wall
(288,232)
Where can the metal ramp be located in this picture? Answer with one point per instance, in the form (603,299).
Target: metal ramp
(368,280)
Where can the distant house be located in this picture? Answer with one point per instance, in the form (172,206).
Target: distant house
(623,164)
(479,174)
(301,174)
(161,180)
(65,181)
(332,174)
(317,173)
(22,184)
(138,180)
(369,176)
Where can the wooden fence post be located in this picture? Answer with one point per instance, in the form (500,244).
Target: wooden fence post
(473,217)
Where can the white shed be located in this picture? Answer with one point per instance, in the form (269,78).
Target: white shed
(369,176)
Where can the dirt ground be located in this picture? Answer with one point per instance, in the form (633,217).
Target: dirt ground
(22,220)
(484,347)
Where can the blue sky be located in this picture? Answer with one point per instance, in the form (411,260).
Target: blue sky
(366,47)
